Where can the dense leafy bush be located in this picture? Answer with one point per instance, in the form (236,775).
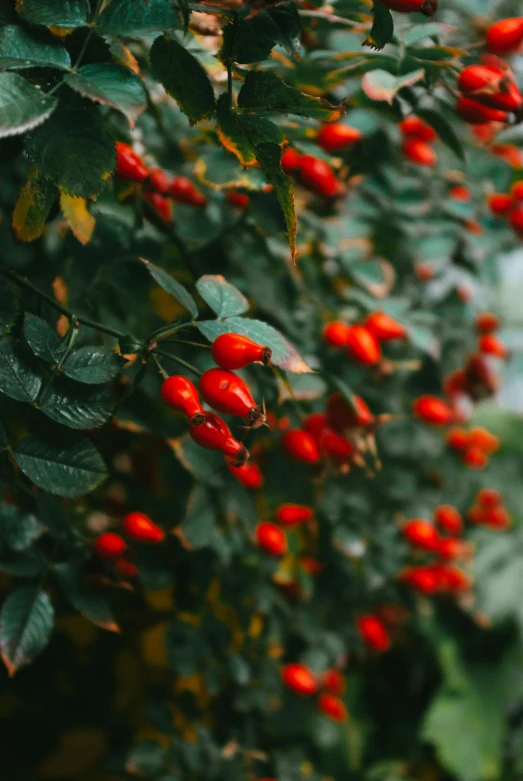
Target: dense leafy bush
(320,590)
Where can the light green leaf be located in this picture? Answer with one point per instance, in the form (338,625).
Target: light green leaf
(20,49)
(171,286)
(113,85)
(26,621)
(222,297)
(22,105)
(19,379)
(382,85)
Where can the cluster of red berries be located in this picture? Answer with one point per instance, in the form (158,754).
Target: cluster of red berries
(271,538)
(329,687)
(488,510)
(224,391)
(314,174)
(158,188)
(363,342)
(509,205)
(489,92)
(417,139)
(427,7)
(474,446)
(112,547)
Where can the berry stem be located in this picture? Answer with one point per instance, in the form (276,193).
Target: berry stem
(178,360)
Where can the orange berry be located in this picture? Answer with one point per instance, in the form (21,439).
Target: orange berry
(480,437)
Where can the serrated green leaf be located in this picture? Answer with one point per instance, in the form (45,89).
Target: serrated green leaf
(90,602)
(232,135)
(69,468)
(32,208)
(252,39)
(183,78)
(283,353)
(171,286)
(264,91)
(21,49)
(9,305)
(222,297)
(382,85)
(55,13)
(19,378)
(18,530)
(444,130)
(22,105)
(77,406)
(26,621)
(92,365)
(136,18)
(110,84)
(382,30)
(74,151)
(43,339)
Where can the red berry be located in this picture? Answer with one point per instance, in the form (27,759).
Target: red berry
(237,199)
(510,153)
(452,579)
(432,410)
(384,327)
(422,534)
(418,128)
(290,160)
(140,527)
(333,681)
(301,445)
(160,204)
(335,333)
(479,379)
(476,113)
(330,442)
(373,633)
(446,516)
(516,219)
(491,345)
(185,191)
(214,434)
(460,193)
(292,514)
(475,458)
(318,176)
(486,323)
(225,392)
(497,518)
(129,164)
(158,180)
(299,679)
(249,475)
(516,191)
(451,548)
(234,351)
(332,707)
(423,579)
(427,7)
(489,497)
(484,439)
(179,393)
(506,35)
(110,546)
(491,86)
(363,346)
(271,539)
(457,438)
(342,415)
(424,272)
(337,136)
(126,569)
(419,152)
(499,203)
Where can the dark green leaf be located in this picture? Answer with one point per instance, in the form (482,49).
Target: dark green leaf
(55,13)
(74,151)
(264,91)
(69,468)
(252,39)
(183,78)
(240,134)
(382,27)
(18,377)
(17,529)
(27,565)
(77,406)
(90,602)
(222,297)
(110,84)
(4,439)
(171,286)
(134,17)
(444,130)
(92,365)
(22,105)
(20,49)
(9,306)
(43,339)
(26,621)
(283,353)
(200,521)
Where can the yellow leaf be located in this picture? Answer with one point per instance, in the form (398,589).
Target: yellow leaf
(32,207)
(81,222)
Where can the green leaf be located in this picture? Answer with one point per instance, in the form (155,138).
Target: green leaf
(171,286)
(252,39)
(92,365)
(136,18)
(90,602)
(113,85)
(444,130)
(283,353)
(429,30)
(18,530)
(9,306)
(4,439)
(26,621)
(74,151)
(264,91)
(22,105)
(32,208)
(382,30)
(18,377)
(239,134)
(69,468)
(199,524)
(382,85)
(20,49)
(55,13)
(222,297)
(183,78)
(43,339)
(77,406)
